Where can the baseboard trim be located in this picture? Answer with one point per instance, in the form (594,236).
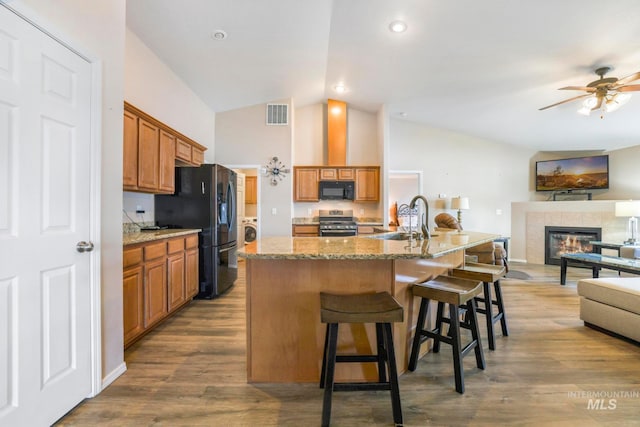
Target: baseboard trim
(113,375)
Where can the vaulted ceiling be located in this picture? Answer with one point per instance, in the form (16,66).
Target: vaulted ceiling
(479,67)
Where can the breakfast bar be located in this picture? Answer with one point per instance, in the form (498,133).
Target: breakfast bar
(285,276)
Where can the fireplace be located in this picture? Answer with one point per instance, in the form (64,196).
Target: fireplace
(568,240)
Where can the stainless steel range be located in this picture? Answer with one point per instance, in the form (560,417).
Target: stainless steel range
(337,222)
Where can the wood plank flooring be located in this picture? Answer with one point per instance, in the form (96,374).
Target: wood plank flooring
(190,371)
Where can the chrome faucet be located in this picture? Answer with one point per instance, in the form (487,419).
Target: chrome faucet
(425,216)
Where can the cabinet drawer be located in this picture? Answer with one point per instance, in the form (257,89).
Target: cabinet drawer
(155,250)
(175,245)
(131,257)
(191,241)
(305,230)
(183,151)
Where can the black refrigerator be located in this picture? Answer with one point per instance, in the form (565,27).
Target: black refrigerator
(205,197)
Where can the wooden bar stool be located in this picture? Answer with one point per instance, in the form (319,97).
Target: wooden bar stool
(456,292)
(488,274)
(379,308)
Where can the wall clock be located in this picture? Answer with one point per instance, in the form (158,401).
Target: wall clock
(275,170)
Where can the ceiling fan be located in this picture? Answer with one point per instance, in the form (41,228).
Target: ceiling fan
(606,92)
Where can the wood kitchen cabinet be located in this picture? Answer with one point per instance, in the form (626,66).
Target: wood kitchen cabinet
(159,277)
(367,184)
(306,184)
(251,190)
(305,230)
(151,151)
(337,174)
(191,266)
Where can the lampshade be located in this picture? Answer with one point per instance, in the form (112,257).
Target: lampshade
(628,208)
(460,203)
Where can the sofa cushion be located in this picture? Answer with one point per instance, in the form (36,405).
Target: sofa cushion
(621,292)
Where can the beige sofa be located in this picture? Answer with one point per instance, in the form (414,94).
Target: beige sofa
(611,304)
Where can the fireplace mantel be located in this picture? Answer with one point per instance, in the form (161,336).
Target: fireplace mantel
(528,220)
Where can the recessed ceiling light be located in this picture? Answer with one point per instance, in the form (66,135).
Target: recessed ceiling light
(219,34)
(398,27)
(340,88)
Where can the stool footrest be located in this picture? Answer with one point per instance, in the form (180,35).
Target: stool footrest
(361,386)
(358,358)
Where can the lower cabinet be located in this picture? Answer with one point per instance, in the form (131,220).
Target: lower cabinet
(159,277)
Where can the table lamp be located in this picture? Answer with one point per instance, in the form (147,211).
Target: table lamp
(460,203)
(630,209)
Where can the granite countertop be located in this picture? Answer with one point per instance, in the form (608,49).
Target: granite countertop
(148,236)
(370,247)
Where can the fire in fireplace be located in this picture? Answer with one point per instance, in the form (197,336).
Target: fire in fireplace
(569,240)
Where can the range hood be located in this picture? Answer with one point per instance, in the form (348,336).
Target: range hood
(336,133)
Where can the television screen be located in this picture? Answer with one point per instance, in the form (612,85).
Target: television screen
(579,173)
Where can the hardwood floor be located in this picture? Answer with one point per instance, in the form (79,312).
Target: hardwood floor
(190,371)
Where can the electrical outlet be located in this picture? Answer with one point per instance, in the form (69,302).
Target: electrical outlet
(309,211)
(498,211)
(361,211)
(274,211)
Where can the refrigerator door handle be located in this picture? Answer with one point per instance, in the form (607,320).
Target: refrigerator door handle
(226,249)
(202,186)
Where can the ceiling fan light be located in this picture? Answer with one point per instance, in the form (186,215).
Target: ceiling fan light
(617,101)
(585,111)
(590,102)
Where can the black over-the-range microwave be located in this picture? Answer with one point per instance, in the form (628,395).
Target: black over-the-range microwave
(337,190)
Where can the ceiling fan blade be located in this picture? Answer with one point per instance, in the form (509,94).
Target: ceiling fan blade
(632,77)
(565,101)
(585,88)
(629,88)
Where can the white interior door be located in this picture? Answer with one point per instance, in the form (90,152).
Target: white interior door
(45,179)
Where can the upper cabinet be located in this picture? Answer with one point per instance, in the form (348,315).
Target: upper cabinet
(367,184)
(305,184)
(306,178)
(251,190)
(152,150)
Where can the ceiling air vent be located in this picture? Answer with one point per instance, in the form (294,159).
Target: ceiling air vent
(278,114)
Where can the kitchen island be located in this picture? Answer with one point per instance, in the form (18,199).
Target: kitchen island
(285,276)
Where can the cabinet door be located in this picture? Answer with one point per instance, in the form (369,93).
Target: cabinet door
(191,276)
(148,155)
(183,151)
(167,162)
(251,190)
(132,304)
(176,281)
(155,292)
(197,156)
(367,184)
(306,184)
(130,152)
(346,174)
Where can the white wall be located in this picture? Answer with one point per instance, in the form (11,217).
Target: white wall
(243,138)
(97,29)
(492,175)
(155,89)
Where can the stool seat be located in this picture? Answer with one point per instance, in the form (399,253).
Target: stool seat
(482,272)
(488,274)
(447,289)
(456,292)
(380,307)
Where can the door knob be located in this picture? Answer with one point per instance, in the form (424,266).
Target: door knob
(83,246)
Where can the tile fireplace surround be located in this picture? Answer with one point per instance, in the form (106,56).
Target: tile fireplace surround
(528,220)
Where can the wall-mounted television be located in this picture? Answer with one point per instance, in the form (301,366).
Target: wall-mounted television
(577,173)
